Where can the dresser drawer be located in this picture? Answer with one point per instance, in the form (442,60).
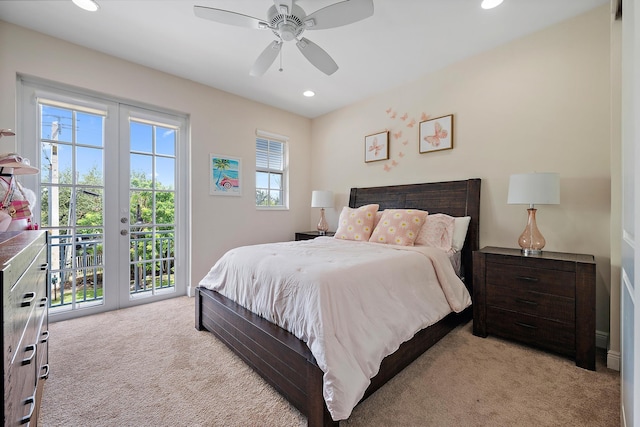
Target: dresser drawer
(24,297)
(20,386)
(555,282)
(521,300)
(555,336)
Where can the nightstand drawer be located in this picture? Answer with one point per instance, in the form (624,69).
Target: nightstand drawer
(521,300)
(561,283)
(555,336)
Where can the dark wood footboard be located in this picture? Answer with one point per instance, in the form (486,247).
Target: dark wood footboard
(286,363)
(278,356)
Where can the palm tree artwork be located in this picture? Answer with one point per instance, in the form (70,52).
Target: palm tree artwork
(220,165)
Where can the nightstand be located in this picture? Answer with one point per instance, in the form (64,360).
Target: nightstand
(308,235)
(547,300)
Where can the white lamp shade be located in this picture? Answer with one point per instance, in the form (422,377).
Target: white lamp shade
(321,199)
(534,189)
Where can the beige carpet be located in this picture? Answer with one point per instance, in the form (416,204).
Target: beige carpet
(148,366)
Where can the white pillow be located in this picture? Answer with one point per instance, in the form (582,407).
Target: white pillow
(460,227)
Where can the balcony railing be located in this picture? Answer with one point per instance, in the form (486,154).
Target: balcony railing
(77,267)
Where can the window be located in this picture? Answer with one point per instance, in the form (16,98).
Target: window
(271,172)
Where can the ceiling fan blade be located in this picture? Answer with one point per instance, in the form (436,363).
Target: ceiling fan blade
(230,18)
(266,58)
(338,14)
(317,56)
(286,3)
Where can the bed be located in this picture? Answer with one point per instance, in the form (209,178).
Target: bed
(285,361)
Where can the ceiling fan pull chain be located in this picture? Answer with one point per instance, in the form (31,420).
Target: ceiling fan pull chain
(280,69)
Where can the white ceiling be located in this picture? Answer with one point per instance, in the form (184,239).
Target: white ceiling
(402,41)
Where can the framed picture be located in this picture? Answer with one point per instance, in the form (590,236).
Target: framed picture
(436,134)
(225,175)
(376,147)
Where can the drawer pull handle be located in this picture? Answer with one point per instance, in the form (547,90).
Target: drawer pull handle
(527,278)
(45,337)
(31,401)
(32,349)
(526,325)
(43,302)
(46,372)
(28,299)
(525,301)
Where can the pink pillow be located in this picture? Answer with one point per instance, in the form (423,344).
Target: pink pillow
(399,226)
(377,219)
(437,232)
(356,224)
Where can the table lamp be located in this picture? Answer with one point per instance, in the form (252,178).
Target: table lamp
(322,199)
(533,189)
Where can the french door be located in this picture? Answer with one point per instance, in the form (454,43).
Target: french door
(111,198)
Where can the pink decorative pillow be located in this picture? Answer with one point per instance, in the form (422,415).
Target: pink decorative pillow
(377,219)
(437,232)
(399,226)
(356,224)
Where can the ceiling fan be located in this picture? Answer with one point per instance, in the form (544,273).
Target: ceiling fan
(288,21)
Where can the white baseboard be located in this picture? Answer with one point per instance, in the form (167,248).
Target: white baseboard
(602,339)
(613,360)
(191,291)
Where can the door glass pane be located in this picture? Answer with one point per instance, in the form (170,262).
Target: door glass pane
(141,137)
(151,209)
(90,129)
(165,141)
(89,166)
(72,204)
(141,171)
(165,173)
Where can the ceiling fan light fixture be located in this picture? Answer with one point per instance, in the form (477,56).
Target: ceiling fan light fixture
(89,5)
(490,4)
(288,21)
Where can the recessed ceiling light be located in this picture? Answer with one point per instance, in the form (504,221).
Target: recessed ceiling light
(89,5)
(490,4)
(308,93)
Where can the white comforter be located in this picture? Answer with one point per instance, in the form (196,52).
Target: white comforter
(353,303)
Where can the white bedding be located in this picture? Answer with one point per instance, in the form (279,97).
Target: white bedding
(353,303)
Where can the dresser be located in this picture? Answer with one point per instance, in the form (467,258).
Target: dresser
(547,300)
(23,272)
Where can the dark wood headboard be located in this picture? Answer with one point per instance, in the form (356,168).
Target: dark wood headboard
(455,198)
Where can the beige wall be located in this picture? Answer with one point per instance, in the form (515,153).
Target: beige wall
(220,123)
(541,103)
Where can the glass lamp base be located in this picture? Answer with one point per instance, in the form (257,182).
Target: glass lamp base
(531,240)
(323,226)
